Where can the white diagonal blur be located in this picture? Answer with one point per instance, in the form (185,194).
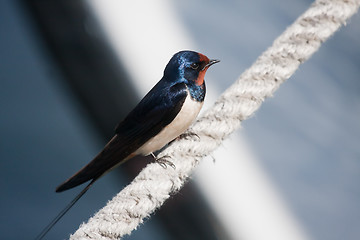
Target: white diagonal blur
(144,35)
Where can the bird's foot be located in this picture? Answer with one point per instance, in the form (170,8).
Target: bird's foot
(187,135)
(164,162)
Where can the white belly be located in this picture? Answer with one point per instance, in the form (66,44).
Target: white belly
(182,121)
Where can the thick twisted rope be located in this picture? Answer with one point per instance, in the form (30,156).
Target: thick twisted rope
(154,184)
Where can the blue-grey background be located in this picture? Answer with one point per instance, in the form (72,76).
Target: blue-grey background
(306,137)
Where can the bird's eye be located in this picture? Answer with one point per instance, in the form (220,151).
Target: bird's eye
(194,66)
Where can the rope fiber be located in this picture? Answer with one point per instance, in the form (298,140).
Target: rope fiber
(155,184)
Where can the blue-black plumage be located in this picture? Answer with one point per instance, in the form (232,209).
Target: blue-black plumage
(183,82)
(165,112)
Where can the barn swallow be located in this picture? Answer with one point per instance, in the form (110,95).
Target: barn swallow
(165,112)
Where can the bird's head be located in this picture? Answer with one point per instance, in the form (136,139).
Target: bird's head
(189,66)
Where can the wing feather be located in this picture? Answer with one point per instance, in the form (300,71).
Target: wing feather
(154,112)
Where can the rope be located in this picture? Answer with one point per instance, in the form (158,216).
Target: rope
(154,184)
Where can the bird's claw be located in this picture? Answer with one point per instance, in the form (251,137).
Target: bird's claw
(163,162)
(186,135)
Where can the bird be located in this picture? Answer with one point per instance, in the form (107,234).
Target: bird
(164,113)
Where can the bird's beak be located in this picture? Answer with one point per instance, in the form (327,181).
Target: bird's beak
(211,62)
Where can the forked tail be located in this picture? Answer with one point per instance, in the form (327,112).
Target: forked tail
(65,210)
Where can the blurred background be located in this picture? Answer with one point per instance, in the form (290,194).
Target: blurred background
(71,70)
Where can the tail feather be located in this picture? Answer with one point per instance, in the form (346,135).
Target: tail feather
(88,172)
(78,178)
(62,213)
(113,154)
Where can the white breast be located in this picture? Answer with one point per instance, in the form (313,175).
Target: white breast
(182,121)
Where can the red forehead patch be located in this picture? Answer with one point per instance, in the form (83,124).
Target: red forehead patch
(200,79)
(203,58)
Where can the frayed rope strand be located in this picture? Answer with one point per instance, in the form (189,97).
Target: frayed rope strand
(154,184)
